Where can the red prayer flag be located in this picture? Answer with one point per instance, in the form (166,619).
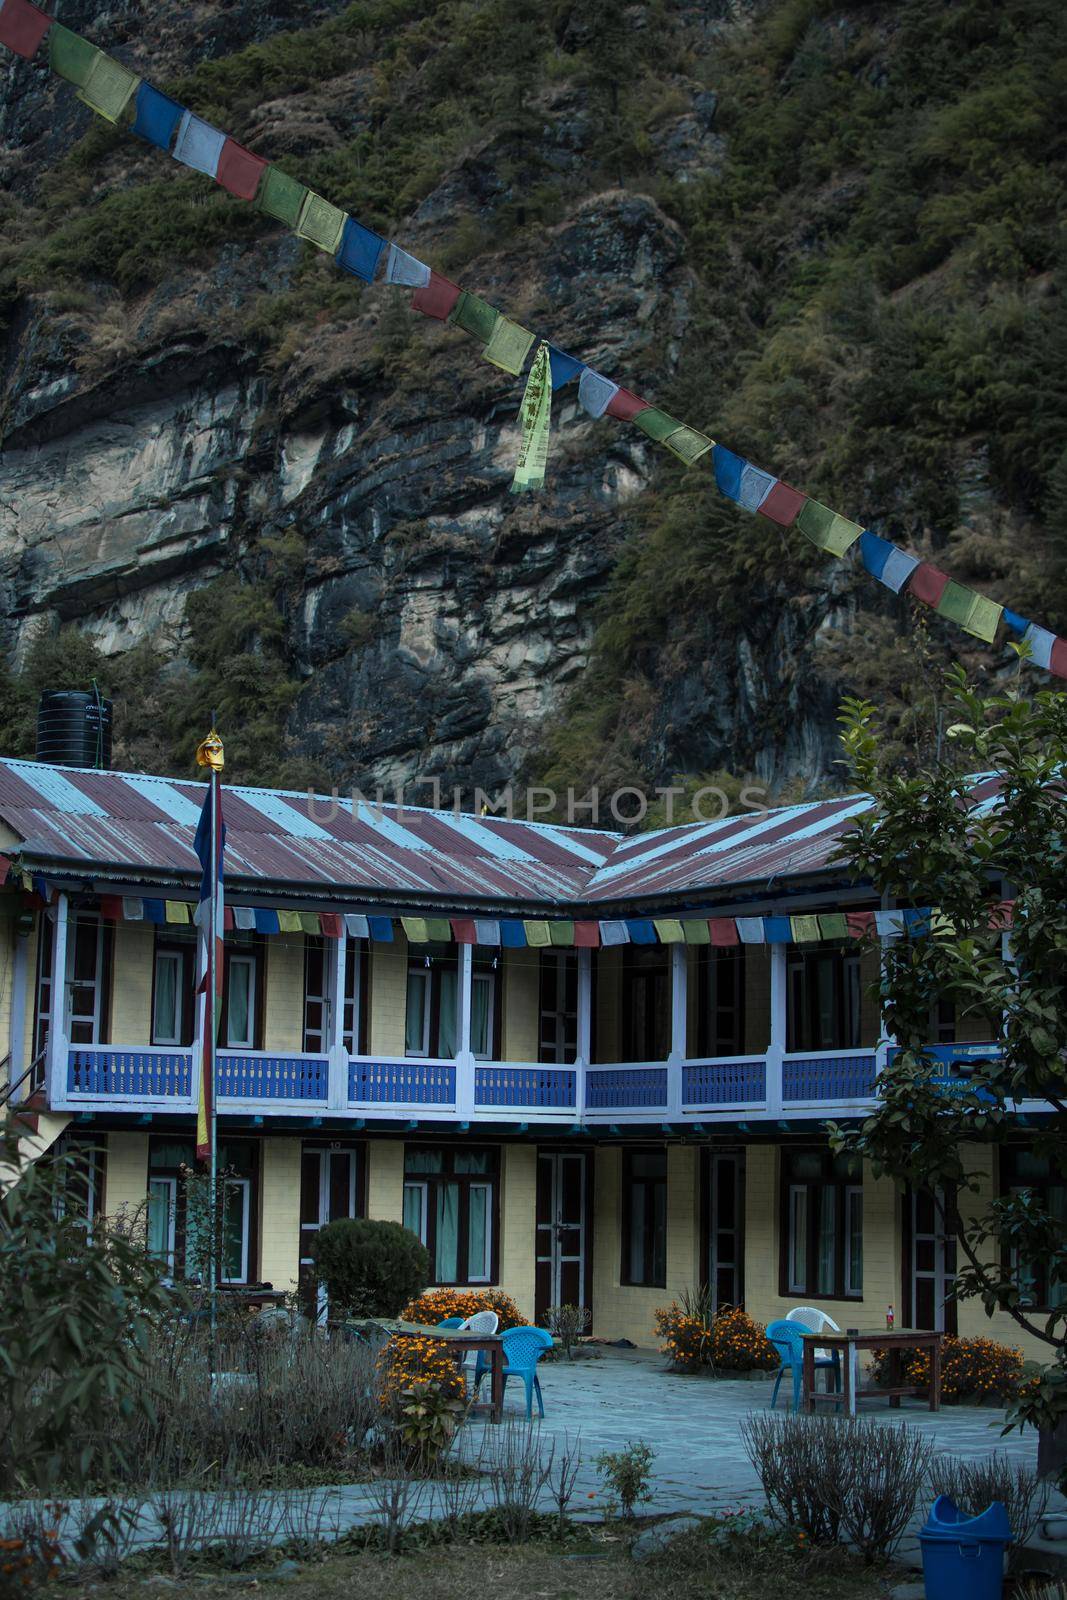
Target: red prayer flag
(22,27)
(928,583)
(859,923)
(330,923)
(228,923)
(5,868)
(625,405)
(587,935)
(464,931)
(239,170)
(783,504)
(436,298)
(723,930)
(1002,915)
(111,907)
(1058,659)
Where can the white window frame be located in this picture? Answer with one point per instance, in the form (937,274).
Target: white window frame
(424,1205)
(489,979)
(487,1275)
(325,1000)
(175,1037)
(853,1194)
(353,1002)
(798,1192)
(79,919)
(171,1186)
(245,1185)
(248,961)
(424,976)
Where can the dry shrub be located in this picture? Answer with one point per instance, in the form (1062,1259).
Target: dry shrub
(437,1304)
(974,1485)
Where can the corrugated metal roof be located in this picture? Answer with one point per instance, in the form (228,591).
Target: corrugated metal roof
(144,825)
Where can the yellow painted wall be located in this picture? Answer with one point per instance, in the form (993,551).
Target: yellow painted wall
(125,1173)
(279,1212)
(283,1015)
(518,1214)
(970,1314)
(608,1003)
(131,983)
(388,996)
(385,1180)
(619,1310)
(522,1004)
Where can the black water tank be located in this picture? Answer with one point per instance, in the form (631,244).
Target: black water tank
(74,729)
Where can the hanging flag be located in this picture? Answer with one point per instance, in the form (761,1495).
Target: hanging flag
(356,926)
(1058,661)
(280,196)
(612,933)
(155,911)
(110,907)
(70,56)
(656,424)
(640,930)
(437,299)
(487,930)
(22,27)
(624,405)
(244,918)
(132,908)
(756,485)
(109,88)
(783,505)
(508,346)
(750,930)
(198,144)
(728,468)
(984,619)
(890,924)
(537,934)
(724,931)
(309,922)
(805,930)
(415,930)
(595,392)
(360,251)
(561,933)
(381,929)
(1016,623)
(330,924)
(669,930)
(320,223)
(210,845)
(405,269)
(440,929)
(777,930)
(956,602)
(267,921)
(474,315)
(833,925)
(688,445)
(289,922)
(155,116)
(587,935)
(512,934)
(564,367)
(696,930)
(177,911)
(239,170)
(464,930)
(535,415)
(859,923)
(1040,643)
(827,529)
(928,583)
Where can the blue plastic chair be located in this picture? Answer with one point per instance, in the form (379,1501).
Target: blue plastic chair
(788,1339)
(451,1322)
(522,1350)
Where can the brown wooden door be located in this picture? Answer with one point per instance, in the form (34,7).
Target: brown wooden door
(929,1262)
(562,1264)
(726,1228)
(329,1189)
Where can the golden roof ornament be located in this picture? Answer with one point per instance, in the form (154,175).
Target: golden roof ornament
(209,752)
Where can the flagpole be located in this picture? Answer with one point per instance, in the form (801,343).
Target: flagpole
(209,846)
(212,1018)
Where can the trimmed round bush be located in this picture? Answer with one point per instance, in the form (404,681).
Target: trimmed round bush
(369,1269)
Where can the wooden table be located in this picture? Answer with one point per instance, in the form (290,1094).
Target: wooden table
(491,1344)
(850,1342)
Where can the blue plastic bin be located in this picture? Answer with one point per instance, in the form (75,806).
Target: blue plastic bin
(964,1555)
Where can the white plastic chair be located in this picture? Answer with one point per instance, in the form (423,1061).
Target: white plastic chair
(480,1322)
(811,1317)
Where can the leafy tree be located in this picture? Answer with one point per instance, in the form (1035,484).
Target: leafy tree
(370,1269)
(927,842)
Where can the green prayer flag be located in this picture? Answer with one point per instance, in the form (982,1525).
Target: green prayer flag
(687,443)
(834,926)
(656,423)
(416,930)
(956,602)
(696,930)
(321,223)
(984,618)
(508,346)
(475,316)
(309,921)
(805,930)
(537,934)
(669,930)
(289,922)
(70,56)
(109,87)
(827,529)
(439,929)
(535,414)
(561,933)
(281,196)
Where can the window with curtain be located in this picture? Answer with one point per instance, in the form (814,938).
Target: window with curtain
(1023,1172)
(721,1001)
(242,998)
(822,1225)
(318,994)
(644,1217)
(824,992)
(431,1020)
(172,1225)
(451,1198)
(558,1033)
(173,989)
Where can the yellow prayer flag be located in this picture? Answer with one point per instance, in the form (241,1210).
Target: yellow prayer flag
(321,223)
(669,930)
(289,922)
(538,934)
(108,87)
(688,445)
(983,619)
(805,930)
(508,345)
(415,929)
(177,911)
(535,414)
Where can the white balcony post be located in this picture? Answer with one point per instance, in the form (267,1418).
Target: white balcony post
(58,1044)
(585,1030)
(464,1059)
(679,1027)
(776,1048)
(19,980)
(337,1096)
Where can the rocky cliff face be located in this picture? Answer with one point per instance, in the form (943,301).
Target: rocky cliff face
(164,419)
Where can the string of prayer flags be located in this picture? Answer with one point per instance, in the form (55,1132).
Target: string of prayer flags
(321,223)
(624,405)
(438,298)
(928,583)
(361,250)
(70,56)
(239,170)
(564,367)
(281,197)
(22,27)
(783,504)
(109,88)
(885,561)
(827,529)
(656,424)
(688,445)
(535,414)
(508,346)
(400,267)
(595,392)
(474,315)
(198,144)
(156,116)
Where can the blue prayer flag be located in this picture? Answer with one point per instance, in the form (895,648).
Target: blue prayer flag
(266,921)
(155,911)
(361,250)
(916,921)
(381,928)
(728,470)
(562,367)
(874,552)
(1015,622)
(157,116)
(777,930)
(513,935)
(641,931)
